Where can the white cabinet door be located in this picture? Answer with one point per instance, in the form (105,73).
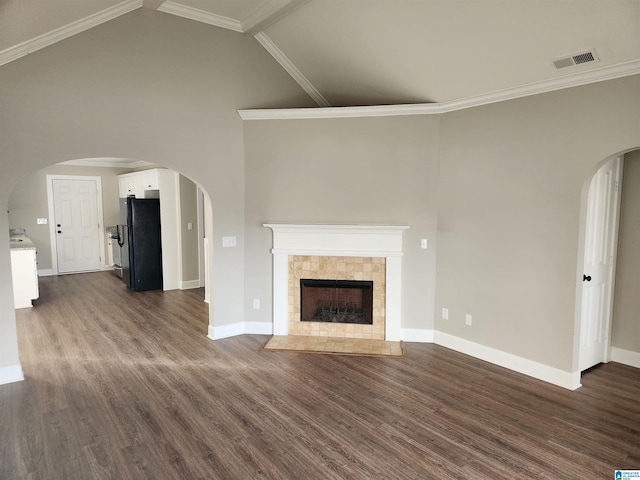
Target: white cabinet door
(148,181)
(137,183)
(24,271)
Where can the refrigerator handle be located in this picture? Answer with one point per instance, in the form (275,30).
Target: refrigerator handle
(120,235)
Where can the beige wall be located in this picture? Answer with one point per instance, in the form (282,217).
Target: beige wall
(512,190)
(626,308)
(189,238)
(28,202)
(504,185)
(498,190)
(372,170)
(146,86)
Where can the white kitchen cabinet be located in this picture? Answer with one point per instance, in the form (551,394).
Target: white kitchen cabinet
(24,271)
(136,183)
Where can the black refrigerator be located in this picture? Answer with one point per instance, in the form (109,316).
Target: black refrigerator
(140,243)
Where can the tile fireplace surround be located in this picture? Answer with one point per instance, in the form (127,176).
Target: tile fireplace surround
(347,248)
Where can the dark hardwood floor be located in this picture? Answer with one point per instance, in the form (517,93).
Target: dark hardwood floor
(124,385)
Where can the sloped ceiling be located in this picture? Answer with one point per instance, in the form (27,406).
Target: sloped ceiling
(382,52)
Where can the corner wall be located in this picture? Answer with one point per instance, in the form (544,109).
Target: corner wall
(366,170)
(144,86)
(512,178)
(499,188)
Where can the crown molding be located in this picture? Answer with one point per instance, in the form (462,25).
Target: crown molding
(200,16)
(268,13)
(291,69)
(41,41)
(341,112)
(107,162)
(568,81)
(575,80)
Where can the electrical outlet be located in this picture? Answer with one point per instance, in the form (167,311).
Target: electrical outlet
(189,226)
(445,314)
(228,242)
(41,221)
(468,319)
(256,304)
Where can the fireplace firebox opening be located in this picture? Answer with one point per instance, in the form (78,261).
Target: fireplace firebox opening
(336,301)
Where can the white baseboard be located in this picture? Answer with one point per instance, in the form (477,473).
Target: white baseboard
(416,335)
(627,357)
(569,380)
(225,331)
(189,284)
(10,374)
(45,272)
(240,328)
(258,328)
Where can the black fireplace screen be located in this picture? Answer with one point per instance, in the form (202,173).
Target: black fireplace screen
(336,301)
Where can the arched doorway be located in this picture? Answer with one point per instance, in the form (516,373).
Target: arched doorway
(600,285)
(188,204)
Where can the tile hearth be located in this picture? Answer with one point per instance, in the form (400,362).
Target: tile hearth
(340,346)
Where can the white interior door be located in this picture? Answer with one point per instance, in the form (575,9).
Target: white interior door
(77,228)
(599,262)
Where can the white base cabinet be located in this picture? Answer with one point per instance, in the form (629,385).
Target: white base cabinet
(24,271)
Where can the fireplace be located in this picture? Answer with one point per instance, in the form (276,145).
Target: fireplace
(341,252)
(336,301)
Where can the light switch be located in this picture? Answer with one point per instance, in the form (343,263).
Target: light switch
(189,226)
(41,221)
(445,314)
(423,243)
(256,304)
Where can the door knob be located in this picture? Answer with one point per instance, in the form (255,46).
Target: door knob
(586,278)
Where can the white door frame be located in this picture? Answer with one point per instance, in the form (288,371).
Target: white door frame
(52,226)
(201,256)
(576,372)
(610,232)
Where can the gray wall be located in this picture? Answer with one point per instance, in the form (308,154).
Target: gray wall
(374,170)
(502,187)
(498,190)
(28,201)
(512,187)
(626,308)
(146,86)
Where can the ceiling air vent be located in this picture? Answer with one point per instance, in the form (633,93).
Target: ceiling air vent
(577,59)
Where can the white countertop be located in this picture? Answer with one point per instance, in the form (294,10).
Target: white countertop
(21,242)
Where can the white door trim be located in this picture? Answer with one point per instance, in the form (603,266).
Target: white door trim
(581,267)
(201,255)
(52,226)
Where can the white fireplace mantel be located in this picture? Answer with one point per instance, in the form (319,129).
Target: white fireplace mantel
(337,240)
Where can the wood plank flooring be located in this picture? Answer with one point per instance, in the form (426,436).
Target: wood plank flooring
(124,385)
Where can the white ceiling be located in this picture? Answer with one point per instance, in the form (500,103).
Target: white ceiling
(381,52)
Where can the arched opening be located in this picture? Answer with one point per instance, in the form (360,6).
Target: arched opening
(189,206)
(604,323)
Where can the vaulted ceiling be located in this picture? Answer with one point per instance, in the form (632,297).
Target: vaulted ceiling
(381,52)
